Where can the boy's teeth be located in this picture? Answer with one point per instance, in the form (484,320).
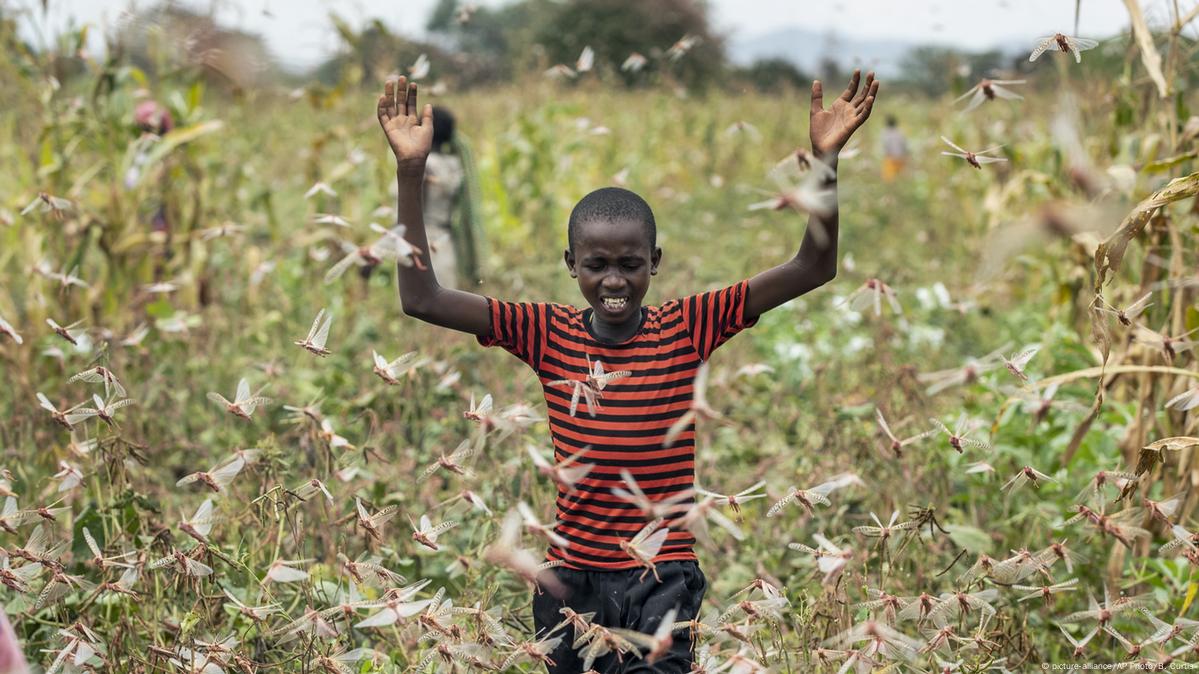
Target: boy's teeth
(614,304)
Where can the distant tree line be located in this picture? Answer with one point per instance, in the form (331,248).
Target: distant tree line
(468,45)
(477,45)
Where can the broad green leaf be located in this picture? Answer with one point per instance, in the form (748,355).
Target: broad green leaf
(973,539)
(863,411)
(160,309)
(181,136)
(138,76)
(1169,162)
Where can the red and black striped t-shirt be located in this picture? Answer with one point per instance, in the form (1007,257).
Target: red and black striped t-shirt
(635,412)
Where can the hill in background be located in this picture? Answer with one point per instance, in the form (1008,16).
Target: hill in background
(809,49)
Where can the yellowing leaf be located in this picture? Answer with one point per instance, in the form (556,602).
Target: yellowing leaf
(1110,253)
(177,137)
(1192,588)
(1173,444)
(1169,162)
(1151,454)
(139,76)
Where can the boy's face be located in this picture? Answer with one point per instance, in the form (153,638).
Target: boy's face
(613,262)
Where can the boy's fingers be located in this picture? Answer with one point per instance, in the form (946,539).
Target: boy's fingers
(411,104)
(389,96)
(817,96)
(852,89)
(401,99)
(869,99)
(865,90)
(382,111)
(866,108)
(427,116)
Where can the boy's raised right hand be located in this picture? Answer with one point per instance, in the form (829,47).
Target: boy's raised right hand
(410,137)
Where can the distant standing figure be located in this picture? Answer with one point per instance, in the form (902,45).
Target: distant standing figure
(154,121)
(447,211)
(895,150)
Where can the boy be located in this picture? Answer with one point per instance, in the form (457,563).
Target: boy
(613,253)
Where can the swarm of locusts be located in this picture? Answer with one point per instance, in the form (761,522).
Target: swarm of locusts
(224,456)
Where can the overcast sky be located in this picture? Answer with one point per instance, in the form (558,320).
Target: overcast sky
(299,35)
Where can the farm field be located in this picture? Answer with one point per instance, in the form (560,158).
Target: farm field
(185,262)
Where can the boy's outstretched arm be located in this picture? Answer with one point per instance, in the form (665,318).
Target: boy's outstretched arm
(411,139)
(816,262)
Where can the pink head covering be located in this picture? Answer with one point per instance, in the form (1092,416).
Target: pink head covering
(152,117)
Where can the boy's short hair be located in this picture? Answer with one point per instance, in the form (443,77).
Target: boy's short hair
(612,203)
(443,126)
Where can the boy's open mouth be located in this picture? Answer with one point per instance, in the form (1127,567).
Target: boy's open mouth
(614,304)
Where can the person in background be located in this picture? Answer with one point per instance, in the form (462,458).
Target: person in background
(448,211)
(153,118)
(154,121)
(895,150)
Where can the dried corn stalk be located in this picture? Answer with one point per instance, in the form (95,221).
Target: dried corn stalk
(1110,253)
(1149,56)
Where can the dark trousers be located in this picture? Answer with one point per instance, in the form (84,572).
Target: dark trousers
(619,599)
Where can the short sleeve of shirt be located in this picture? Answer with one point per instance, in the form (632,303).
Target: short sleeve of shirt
(712,318)
(518,327)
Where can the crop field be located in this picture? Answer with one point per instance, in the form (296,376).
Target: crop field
(1046,498)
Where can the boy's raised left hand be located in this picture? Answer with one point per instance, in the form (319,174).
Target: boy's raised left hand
(831,127)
